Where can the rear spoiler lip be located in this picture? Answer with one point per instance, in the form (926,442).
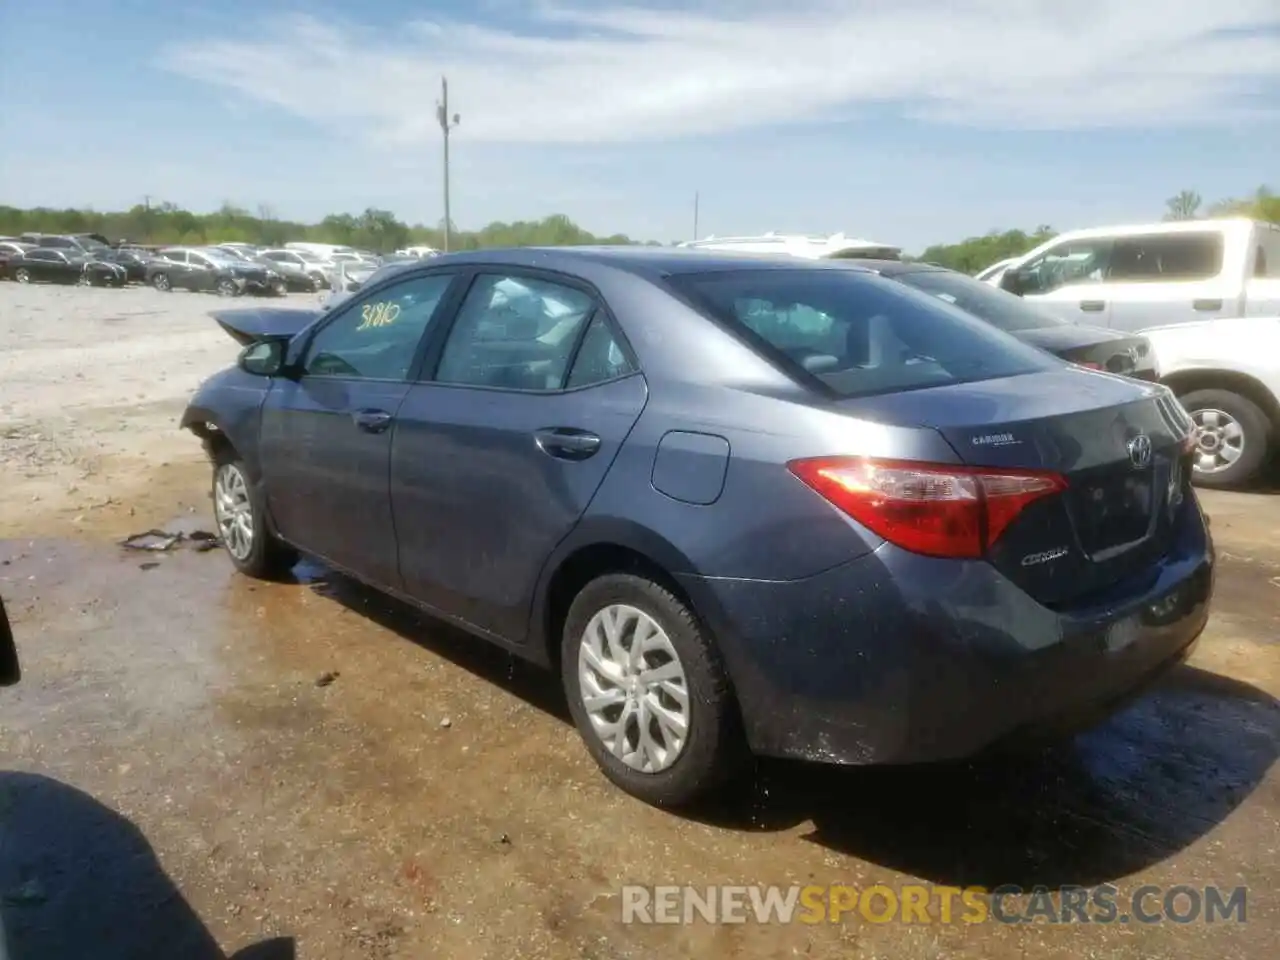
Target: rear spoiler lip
(251,325)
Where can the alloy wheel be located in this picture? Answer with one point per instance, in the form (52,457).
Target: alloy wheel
(233,510)
(1220,440)
(21,275)
(634,688)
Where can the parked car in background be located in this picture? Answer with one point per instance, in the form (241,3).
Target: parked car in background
(1097,347)
(993,273)
(1155,275)
(208,269)
(835,246)
(419,252)
(314,265)
(133,261)
(741,505)
(296,280)
(79,243)
(1226,374)
(8,250)
(69,265)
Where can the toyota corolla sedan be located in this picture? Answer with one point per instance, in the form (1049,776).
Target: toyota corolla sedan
(781,507)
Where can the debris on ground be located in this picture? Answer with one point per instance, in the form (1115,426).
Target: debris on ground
(149,565)
(162,541)
(446,723)
(327,678)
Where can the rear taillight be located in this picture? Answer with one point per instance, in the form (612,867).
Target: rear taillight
(1091,366)
(940,510)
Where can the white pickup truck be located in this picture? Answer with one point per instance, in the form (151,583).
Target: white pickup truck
(1153,275)
(1226,374)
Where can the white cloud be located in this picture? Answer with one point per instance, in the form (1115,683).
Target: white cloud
(634,74)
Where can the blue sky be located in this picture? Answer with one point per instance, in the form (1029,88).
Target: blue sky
(906,121)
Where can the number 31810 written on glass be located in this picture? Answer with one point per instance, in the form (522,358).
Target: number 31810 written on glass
(378,315)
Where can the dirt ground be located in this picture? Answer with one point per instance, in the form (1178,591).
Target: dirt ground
(197,765)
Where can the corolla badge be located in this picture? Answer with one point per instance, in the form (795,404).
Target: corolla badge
(1031,559)
(994,440)
(1140,451)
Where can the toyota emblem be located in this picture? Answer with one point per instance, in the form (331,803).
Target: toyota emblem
(1140,451)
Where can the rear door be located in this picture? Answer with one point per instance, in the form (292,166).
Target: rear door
(498,452)
(1159,279)
(326,435)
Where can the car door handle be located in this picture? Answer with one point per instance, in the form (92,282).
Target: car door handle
(567,443)
(372,421)
(1206,304)
(1093,306)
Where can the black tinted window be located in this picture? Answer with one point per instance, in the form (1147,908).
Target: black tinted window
(600,357)
(514,332)
(984,301)
(375,338)
(861,334)
(1168,256)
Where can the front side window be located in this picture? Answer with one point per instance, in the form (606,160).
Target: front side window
(376,337)
(984,301)
(516,333)
(1071,262)
(1164,257)
(857,333)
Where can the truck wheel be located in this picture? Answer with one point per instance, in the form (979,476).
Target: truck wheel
(1233,437)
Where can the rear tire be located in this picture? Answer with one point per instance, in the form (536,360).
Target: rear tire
(22,275)
(226,288)
(686,769)
(161,282)
(239,512)
(1234,435)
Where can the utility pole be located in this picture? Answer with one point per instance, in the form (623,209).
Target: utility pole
(695,215)
(447,123)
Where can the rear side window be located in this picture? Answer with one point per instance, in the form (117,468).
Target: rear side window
(515,333)
(1168,256)
(857,333)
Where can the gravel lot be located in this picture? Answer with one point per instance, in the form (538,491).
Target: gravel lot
(195,763)
(92,382)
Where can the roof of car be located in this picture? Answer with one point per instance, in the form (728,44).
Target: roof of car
(645,261)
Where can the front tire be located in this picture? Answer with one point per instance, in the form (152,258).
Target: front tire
(22,275)
(226,288)
(1233,435)
(648,692)
(240,515)
(161,282)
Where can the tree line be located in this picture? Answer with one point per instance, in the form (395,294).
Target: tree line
(380,230)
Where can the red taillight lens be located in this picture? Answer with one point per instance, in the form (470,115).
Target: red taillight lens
(1091,366)
(939,510)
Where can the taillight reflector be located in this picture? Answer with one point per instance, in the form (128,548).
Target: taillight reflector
(940,510)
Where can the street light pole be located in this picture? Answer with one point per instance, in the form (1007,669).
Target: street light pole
(447,122)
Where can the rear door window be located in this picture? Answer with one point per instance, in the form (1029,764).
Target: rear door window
(856,333)
(1164,257)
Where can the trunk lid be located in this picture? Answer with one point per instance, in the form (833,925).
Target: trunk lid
(1118,443)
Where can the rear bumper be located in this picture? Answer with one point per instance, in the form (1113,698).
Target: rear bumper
(898,658)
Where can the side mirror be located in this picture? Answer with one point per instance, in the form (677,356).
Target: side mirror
(265,358)
(1013,282)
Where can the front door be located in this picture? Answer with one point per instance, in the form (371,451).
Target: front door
(1070,279)
(326,433)
(496,458)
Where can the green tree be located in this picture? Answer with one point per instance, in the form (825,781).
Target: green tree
(1185,206)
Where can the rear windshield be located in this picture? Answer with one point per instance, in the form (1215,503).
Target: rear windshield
(1004,310)
(857,333)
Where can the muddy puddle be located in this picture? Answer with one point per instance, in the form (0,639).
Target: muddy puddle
(314,769)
